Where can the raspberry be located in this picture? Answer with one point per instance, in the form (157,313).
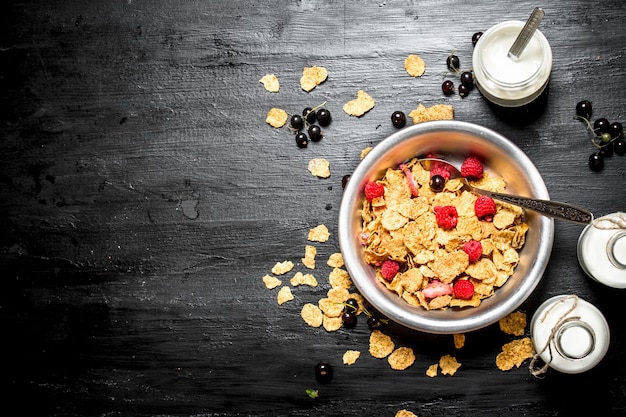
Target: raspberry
(472,168)
(463,289)
(447,216)
(474,250)
(435,170)
(373,190)
(389,269)
(485,208)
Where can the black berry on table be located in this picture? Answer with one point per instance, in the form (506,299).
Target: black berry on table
(398,119)
(583,109)
(315,133)
(447,87)
(467,78)
(453,63)
(475,37)
(463,90)
(601,125)
(323,117)
(352,305)
(619,146)
(373,322)
(616,130)
(348,319)
(309,114)
(323,372)
(607,149)
(302,140)
(296,122)
(596,162)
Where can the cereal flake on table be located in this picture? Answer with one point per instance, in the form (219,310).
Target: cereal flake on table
(303,279)
(335,260)
(284,295)
(401,358)
(448,365)
(350,357)
(414,65)
(331,324)
(270,82)
(340,278)
(319,167)
(360,105)
(405,413)
(276,117)
(319,233)
(365,151)
(515,353)
(312,315)
(514,323)
(312,77)
(381,345)
(459,340)
(432,370)
(281,268)
(435,112)
(310,252)
(271,282)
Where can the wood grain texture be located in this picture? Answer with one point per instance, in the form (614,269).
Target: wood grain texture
(143,197)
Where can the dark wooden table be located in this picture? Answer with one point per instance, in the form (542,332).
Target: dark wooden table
(143,197)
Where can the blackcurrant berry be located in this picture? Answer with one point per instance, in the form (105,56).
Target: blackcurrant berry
(619,146)
(475,37)
(607,149)
(467,78)
(315,133)
(437,183)
(309,115)
(323,117)
(453,63)
(296,122)
(447,87)
(302,140)
(323,372)
(596,162)
(373,322)
(583,109)
(344,181)
(616,130)
(352,305)
(463,90)
(601,126)
(398,119)
(348,319)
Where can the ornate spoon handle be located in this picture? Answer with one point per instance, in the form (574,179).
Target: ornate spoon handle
(550,208)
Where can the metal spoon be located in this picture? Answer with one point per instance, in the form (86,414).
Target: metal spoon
(526,34)
(550,208)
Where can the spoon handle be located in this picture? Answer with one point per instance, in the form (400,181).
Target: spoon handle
(550,208)
(527,32)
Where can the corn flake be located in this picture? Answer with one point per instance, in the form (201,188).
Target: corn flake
(401,358)
(432,370)
(359,106)
(284,295)
(515,353)
(459,340)
(270,82)
(414,65)
(514,323)
(448,365)
(271,282)
(331,324)
(319,233)
(339,278)
(312,77)
(312,315)
(350,357)
(365,151)
(303,279)
(319,167)
(282,267)
(335,260)
(381,345)
(309,256)
(435,112)
(276,117)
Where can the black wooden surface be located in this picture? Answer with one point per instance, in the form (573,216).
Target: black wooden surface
(143,197)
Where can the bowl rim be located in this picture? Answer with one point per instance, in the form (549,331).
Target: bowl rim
(348,242)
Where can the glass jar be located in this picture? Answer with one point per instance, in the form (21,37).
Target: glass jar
(569,334)
(510,82)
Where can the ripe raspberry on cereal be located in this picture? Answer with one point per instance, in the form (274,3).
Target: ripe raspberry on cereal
(485,208)
(373,190)
(472,168)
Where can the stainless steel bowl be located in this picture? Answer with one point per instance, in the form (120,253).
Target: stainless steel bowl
(455,140)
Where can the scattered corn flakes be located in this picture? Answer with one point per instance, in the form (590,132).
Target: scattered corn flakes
(330,308)
(284,295)
(515,353)
(276,117)
(309,256)
(271,282)
(319,233)
(514,323)
(432,370)
(401,358)
(405,413)
(359,106)
(381,345)
(312,77)
(365,151)
(270,82)
(338,294)
(436,112)
(282,267)
(335,260)
(459,340)
(312,315)
(350,357)
(339,278)
(414,65)
(319,167)
(332,324)
(303,279)
(448,365)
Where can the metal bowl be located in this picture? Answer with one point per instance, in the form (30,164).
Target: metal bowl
(455,140)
